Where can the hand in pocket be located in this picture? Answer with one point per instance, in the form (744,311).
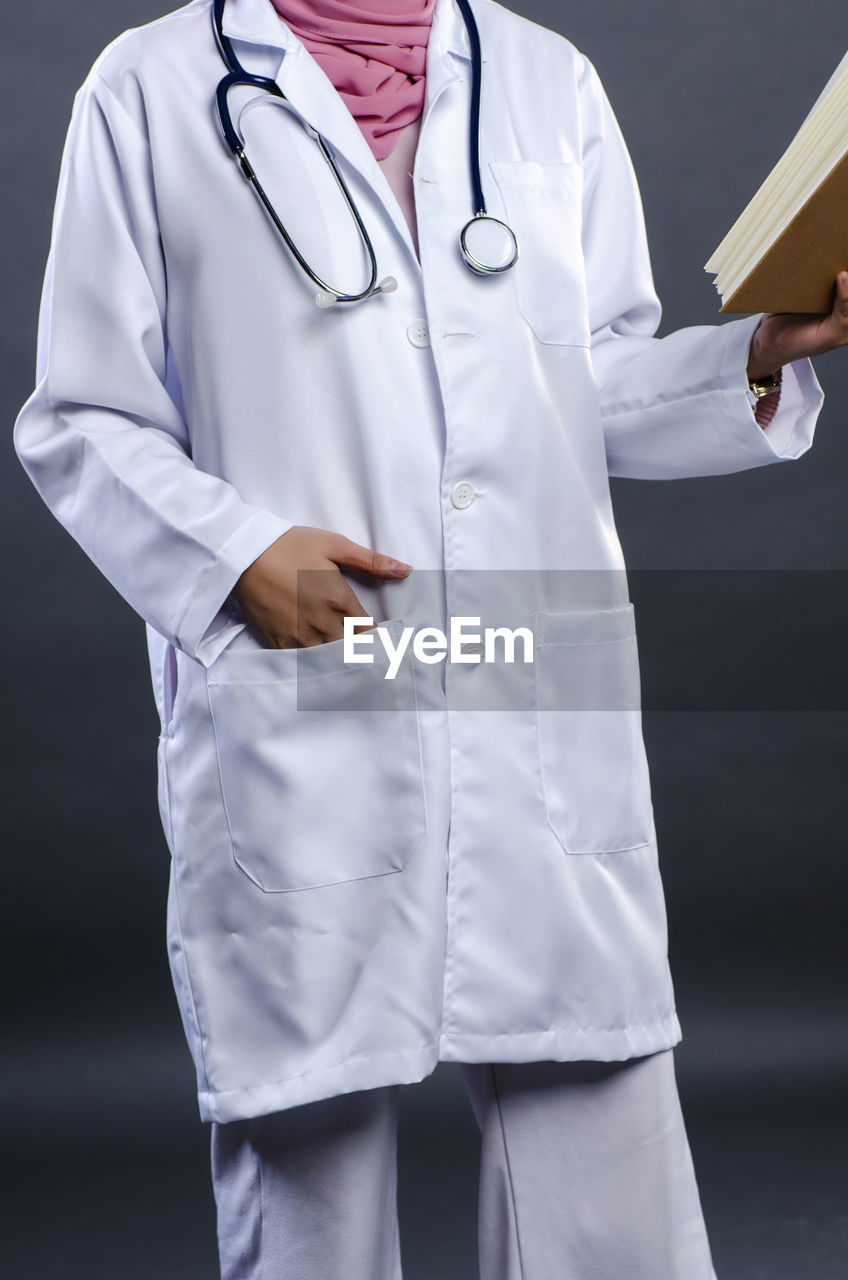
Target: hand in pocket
(294,594)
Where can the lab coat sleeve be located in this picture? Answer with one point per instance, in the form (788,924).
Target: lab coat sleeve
(673,406)
(102,436)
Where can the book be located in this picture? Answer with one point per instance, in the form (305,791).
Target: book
(785,250)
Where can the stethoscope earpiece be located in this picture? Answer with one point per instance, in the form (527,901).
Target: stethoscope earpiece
(324,298)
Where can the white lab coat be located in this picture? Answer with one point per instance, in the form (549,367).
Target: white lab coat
(357,896)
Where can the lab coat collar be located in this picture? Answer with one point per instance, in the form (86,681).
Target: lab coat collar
(257,22)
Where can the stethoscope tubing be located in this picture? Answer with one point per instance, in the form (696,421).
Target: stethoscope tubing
(477,198)
(239,75)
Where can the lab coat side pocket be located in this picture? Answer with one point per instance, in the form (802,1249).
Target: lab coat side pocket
(320,765)
(592,759)
(543,205)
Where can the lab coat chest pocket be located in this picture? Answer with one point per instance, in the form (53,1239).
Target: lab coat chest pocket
(593,765)
(319,764)
(543,205)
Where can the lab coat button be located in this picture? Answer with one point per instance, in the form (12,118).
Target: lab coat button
(418,333)
(462,494)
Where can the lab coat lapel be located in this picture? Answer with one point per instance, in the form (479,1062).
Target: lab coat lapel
(310,92)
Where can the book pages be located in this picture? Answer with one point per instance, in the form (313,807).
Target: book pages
(812,156)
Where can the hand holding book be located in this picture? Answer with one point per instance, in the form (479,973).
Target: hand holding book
(783,337)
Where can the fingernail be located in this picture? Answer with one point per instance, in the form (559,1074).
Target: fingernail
(401,569)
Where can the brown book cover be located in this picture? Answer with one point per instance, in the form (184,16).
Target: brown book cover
(798,272)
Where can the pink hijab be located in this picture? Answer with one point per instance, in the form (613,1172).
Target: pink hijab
(374,52)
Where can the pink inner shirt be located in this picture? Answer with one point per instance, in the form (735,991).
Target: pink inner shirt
(397,166)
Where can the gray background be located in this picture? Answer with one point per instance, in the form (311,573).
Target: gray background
(95,1082)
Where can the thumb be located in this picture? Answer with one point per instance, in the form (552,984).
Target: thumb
(840,300)
(344,551)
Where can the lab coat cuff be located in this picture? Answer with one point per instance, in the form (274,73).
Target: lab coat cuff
(211,620)
(790,433)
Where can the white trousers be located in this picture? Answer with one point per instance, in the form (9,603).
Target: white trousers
(585,1174)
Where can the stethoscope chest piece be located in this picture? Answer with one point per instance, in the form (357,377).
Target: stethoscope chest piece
(488,245)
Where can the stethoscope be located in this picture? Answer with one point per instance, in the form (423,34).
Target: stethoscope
(488,245)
